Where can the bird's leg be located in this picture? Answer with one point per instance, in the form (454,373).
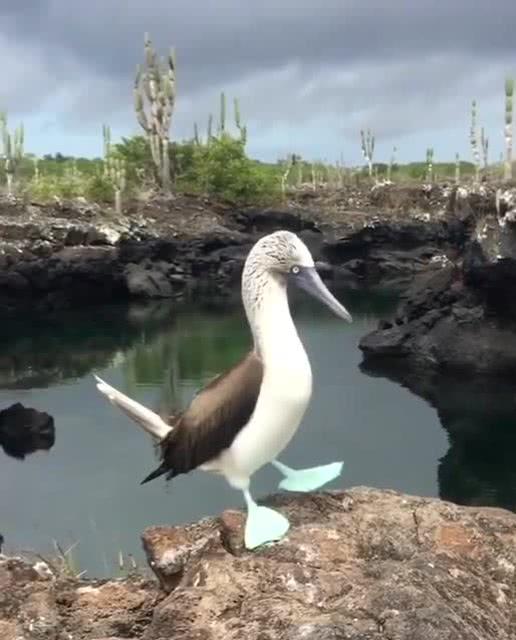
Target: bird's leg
(307,479)
(263,525)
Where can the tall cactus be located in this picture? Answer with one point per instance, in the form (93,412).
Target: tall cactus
(430,164)
(196,137)
(106,138)
(484,143)
(222,116)
(289,163)
(116,173)
(156,84)
(209,132)
(457,168)
(13,150)
(509,93)
(391,164)
(473,138)
(35,162)
(114,169)
(238,122)
(367,143)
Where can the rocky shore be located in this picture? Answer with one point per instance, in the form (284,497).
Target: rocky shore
(74,254)
(451,252)
(461,317)
(361,564)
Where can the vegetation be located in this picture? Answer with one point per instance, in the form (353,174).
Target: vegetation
(509,93)
(215,164)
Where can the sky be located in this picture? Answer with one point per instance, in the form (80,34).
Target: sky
(308,74)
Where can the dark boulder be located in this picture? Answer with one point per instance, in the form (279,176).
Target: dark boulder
(461,316)
(24,430)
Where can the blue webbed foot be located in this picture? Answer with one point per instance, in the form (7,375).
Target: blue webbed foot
(307,479)
(263,525)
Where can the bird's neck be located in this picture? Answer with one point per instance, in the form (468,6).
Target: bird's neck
(274,332)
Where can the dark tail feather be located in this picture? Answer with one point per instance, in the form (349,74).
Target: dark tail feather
(162,469)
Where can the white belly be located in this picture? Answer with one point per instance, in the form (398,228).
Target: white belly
(281,405)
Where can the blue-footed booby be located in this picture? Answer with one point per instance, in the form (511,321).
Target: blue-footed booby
(244,418)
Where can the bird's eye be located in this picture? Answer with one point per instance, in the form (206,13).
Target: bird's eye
(295,270)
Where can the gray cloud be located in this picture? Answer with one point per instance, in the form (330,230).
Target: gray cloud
(400,67)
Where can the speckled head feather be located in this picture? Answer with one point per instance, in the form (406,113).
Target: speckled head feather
(277,253)
(266,268)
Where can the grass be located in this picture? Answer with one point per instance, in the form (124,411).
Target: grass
(63,563)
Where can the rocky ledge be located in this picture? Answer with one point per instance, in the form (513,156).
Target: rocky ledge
(362,564)
(72,254)
(461,317)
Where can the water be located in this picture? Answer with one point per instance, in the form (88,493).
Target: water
(86,489)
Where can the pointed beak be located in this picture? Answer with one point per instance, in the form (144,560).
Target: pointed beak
(309,280)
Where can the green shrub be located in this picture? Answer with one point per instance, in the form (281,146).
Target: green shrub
(221,168)
(98,189)
(47,187)
(137,155)
(92,187)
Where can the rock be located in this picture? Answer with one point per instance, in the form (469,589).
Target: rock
(171,550)
(59,256)
(144,283)
(70,254)
(359,564)
(61,607)
(461,315)
(25,430)
(102,235)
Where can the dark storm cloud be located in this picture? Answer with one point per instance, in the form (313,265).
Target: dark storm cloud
(219,40)
(344,61)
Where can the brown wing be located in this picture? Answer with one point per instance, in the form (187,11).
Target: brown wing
(212,420)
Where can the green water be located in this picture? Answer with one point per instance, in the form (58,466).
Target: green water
(86,489)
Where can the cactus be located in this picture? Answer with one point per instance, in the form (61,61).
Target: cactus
(509,93)
(116,173)
(106,135)
(242,128)
(430,164)
(474,139)
(367,143)
(222,115)
(13,150)
(157,85)
(209,133)
(106,138)
(289,164)
(484,143)
(391,163)
(196,138)
(36,176)
(299,179)
(457,168)
(114,170)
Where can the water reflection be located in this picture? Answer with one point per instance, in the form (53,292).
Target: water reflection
(479,417)
(37,352)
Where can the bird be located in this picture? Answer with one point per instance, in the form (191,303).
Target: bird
(246,416)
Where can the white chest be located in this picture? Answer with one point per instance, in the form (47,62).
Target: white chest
(284,396)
